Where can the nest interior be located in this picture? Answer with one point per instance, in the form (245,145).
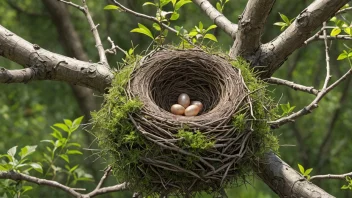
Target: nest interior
(158,152)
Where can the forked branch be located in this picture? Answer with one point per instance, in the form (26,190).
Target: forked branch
(16,176)
(94,29)
(219,19)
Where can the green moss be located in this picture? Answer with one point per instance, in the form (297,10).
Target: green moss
(194,140)
(256,115)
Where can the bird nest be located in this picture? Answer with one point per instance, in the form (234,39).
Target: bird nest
(156,151)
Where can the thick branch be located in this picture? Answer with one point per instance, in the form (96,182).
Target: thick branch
(51,66)
(17,76)
(285,181)
(293,85)
(250,28)
(219,19)
(273,54)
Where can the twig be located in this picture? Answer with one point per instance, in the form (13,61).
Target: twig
(19,176)
(94,29)
(72,191)
(331,176)
(327,59)
(154,19)
(313,105)
(343,11)
(113,48)
(293,85)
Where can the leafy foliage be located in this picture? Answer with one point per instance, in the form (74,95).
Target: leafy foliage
(304,172)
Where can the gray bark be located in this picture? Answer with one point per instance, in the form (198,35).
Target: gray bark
(50,66)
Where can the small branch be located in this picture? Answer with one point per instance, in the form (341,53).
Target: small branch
(313,105)
(19,176)
(94,30)
(343,11)
(18,76)
(218,18)
(154,19)
(320,37)
(113,48)
(331,176)
(102,180)
(292,85)
(327,59)
(72,191)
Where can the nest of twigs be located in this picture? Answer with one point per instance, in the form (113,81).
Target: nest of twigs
(159,152)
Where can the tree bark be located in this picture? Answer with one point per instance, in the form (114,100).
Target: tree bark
(51,66)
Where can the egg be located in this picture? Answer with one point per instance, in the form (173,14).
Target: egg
(192,110)
(184,100)
(177,109)
(198,103)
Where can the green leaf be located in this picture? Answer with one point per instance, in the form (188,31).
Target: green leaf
(73,168)
(211,27)
(164,2)
(62,126)
(333,19)
(218,7)
(148,3)
(347,30)
(211,37)
(56,133)
(308,171)
(344,187)
(301,169)
(173,2)
(49,141)
(348,178)
(143,30)
(37,167)
(336,31)
(11,152)
(193,33)
(27,150)
(284,18)
(5,167)
(68,123)
(111,7)
(181,3)
(174,16)
(156,26)
(77,121)
(26,188)
(73,144)
(72,152)
(280,24)
(65,157)
(342,56)
(200,26)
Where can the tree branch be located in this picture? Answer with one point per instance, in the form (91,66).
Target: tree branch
(274,53)
(51,66)
(72,191)
(292,85)
(285,181)
(313,105)
(19,176)
(17,76)
(94,29)
(250,28)
(331,176)
(218,18)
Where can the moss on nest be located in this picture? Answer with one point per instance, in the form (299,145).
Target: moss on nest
(158,154)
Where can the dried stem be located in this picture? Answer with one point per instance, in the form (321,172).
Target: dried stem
(292,85)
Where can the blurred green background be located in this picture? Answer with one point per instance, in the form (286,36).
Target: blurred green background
(319,140)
